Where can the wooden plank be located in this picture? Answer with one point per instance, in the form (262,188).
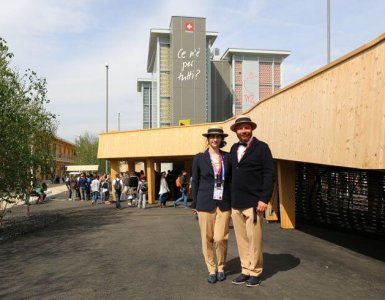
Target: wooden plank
(286,186)
(114,171)
(150,173)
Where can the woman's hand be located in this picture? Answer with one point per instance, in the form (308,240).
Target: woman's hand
(194,211)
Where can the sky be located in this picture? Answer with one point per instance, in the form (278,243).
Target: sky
(69,42)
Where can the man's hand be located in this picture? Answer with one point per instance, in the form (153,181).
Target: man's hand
(194,211)
(261,206)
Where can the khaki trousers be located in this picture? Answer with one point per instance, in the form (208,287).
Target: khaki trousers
(214,227)
(249,240)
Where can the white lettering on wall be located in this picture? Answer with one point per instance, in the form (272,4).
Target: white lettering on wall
(188,62)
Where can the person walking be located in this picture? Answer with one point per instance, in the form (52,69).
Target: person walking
(68,185)
(133,186)
(183,179)
(142,191)
(211,201)
(118,186)
(95,186)
(126,181)
(74,185)
(251,189)
(163,190)
(82,187)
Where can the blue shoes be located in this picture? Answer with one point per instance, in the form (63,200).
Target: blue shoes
(221,276)
(212,278)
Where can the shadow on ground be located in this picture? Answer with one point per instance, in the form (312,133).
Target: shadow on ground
(366,245)
(273,263)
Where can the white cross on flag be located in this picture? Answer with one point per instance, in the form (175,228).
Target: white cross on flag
(189,26)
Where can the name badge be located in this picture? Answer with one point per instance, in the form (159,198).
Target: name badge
(218,192)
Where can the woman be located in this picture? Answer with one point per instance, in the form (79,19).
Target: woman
(211,201)
(163,190)
(142,192)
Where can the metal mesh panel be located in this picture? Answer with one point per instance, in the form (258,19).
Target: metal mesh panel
(347,198)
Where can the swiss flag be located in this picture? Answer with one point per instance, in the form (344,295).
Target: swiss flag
(189,26)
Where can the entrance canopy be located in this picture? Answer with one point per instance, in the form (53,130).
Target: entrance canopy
(83,168)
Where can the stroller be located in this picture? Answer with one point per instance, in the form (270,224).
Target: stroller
(132,196)
(105,191)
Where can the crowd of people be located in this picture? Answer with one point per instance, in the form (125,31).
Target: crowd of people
(131,187)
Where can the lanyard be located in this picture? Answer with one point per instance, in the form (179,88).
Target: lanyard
(221,168)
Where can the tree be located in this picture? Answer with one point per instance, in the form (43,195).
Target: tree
(87,151)
(26,127)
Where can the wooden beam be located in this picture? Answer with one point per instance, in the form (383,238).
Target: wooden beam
(150,172)
(286,190)
(114,171)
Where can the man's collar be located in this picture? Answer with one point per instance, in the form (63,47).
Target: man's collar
(245,143)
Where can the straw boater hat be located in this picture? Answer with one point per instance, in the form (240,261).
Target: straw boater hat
(242,120)
(215,130)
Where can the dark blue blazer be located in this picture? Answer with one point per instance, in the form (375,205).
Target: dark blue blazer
(203,183)
(253,176)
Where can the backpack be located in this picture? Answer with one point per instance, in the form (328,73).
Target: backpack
(117,185)
(177,182)
(144,187)
(105,185)
(184,182)
(74,184)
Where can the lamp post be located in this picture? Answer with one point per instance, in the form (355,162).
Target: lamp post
(118,121)
(106,105)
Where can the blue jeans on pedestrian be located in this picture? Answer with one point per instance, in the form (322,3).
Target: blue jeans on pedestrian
(95,196)
(82,191)
(117,198)
(183,197)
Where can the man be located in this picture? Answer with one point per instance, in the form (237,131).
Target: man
(95,186)
(184,182)
(68,185)
(126,181)
(82,187)
(251,190)
(133,182)
(118,186)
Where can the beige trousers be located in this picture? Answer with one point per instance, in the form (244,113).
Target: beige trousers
(249,240)
(214,228)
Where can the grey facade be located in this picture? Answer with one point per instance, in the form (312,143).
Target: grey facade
(144,86)
(189,70)
(190,83)
(221,95)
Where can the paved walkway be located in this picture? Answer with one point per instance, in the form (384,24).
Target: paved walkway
(99,252)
